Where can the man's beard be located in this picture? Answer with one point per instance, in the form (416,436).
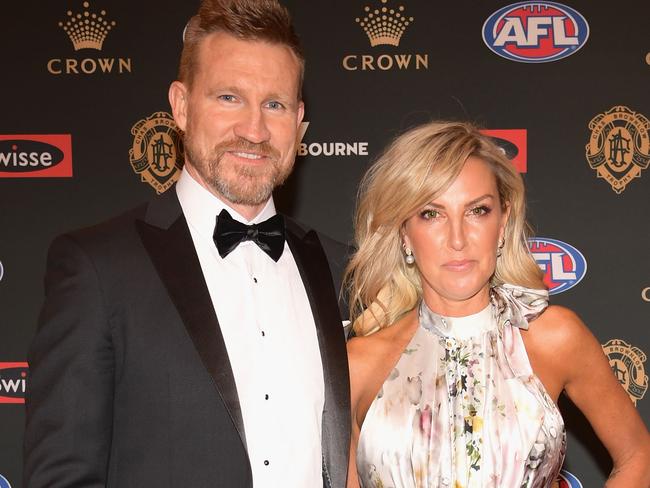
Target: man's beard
(241,184)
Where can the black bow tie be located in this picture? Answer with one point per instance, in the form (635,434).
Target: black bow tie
(268,235)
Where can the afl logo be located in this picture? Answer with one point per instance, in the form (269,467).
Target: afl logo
(563,265)
(4,483)
(567,480)
(535,32)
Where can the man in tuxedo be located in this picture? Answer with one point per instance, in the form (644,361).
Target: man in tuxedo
(173,352)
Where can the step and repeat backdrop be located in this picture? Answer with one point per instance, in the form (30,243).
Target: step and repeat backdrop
(563,88)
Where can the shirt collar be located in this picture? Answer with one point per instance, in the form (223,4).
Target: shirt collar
(201,207)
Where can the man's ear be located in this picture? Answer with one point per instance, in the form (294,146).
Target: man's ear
(301,113)
(178,97)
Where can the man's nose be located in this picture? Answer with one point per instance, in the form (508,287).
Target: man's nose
(252,126)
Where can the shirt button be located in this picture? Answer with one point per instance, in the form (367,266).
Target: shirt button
(254,279)
(266,462)
(263,333)
(266,397)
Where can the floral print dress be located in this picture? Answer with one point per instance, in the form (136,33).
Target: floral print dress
(462,407)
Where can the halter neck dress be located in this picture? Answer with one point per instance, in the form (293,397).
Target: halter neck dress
(462,407)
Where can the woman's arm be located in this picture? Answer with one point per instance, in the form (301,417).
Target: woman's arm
(587,379)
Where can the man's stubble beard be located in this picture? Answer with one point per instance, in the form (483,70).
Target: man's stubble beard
(238,183)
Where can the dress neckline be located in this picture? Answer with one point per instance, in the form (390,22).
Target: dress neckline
(463,328)
(510,305)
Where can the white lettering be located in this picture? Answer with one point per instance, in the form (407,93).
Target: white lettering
(24,159)
(333,149)
(645,294)
(557,268)
(559,33)
(536,29)
(12,386)
(512,31)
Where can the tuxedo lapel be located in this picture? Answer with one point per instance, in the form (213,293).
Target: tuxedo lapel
(167,239)
(316,276)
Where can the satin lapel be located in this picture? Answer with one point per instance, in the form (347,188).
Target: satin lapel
(314,270)
(167,238)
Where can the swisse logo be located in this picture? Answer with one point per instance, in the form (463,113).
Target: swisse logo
(88,29)
(568,480)
(2,271)
(13,382)
(513,144)
(563,265)
(645,294)
(535,32)
(36,156)
(4,482)
(329,148)
(384,25)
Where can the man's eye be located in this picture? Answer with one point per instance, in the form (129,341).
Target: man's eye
(275,105)
(227,98)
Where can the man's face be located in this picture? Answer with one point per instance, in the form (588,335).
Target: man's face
(240,117)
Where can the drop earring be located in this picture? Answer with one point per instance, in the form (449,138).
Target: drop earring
(408,256)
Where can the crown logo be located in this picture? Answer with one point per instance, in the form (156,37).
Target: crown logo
(87,30)
(384,25)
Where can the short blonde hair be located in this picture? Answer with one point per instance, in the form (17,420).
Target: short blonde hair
(251,20)
(413,170)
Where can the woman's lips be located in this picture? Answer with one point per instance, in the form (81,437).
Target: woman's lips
(458,264)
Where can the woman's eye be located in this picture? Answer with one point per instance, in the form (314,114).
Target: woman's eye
(481,210)
(429,214)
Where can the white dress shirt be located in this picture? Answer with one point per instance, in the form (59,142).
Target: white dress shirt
(270,335)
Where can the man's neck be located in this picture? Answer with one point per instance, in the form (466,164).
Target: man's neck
(249,212)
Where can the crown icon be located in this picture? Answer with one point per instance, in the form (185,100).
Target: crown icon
(384,25)
(87,30)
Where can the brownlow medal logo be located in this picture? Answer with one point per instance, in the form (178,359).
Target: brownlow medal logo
(157,151)
(627,365)
(619,148)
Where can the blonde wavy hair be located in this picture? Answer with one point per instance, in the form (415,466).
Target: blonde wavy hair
(413,170)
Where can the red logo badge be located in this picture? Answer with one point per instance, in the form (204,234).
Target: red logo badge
(36,156)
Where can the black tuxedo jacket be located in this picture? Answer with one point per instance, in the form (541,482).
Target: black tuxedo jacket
(130,382)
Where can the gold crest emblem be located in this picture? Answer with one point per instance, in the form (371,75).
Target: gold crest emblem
(619,148)
(627,365)
(157,151)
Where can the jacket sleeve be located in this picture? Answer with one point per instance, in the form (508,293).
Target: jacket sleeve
(69,403)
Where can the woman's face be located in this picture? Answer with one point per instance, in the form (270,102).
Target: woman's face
(454,240)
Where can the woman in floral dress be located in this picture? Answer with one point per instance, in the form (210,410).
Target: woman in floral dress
(459,361)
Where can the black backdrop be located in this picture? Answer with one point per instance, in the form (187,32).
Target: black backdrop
(440,68)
